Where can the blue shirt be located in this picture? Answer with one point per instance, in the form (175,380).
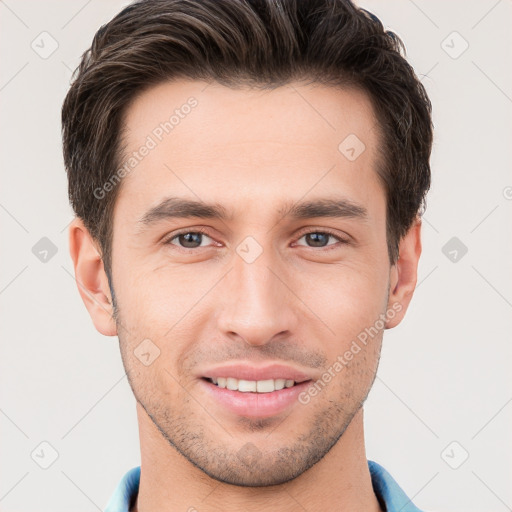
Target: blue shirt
(391,497)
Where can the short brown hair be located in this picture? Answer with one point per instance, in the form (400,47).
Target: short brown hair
(258,43)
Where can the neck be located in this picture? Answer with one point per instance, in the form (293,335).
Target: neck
(340,481)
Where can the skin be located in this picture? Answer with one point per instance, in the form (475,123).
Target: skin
(298,303)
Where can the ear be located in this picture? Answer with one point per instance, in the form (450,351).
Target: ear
(404,273)
(91,278)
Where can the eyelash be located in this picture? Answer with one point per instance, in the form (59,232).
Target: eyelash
(336,236)
(168,241)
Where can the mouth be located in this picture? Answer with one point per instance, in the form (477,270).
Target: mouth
(253,398)
(253,391)
(253,386)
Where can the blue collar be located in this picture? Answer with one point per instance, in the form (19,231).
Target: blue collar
(391,497)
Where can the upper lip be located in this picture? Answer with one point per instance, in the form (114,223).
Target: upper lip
(250,372)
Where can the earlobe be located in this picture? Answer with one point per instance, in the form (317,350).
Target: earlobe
(91,278)
(404,273)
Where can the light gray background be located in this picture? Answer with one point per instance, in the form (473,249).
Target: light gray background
(444,373)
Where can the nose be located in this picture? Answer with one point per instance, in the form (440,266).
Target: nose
(257,304)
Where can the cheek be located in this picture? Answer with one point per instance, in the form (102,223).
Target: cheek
(157,299)
(163,306)
(345,298)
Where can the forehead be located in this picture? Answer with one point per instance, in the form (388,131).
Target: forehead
(240,146)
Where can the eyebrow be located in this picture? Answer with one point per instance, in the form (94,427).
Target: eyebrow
(175,207)
(338,208)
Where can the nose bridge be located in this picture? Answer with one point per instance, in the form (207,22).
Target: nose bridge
(257,304)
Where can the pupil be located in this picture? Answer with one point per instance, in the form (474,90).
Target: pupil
(187,240)
(318,239)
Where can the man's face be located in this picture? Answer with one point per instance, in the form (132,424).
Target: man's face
(258,287)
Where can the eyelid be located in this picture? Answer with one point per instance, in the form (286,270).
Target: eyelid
(303,232)
(327,231)
(167,239)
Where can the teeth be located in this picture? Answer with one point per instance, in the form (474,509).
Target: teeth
(254,386)
(248,385)
(262,386)
(232,383)
(279,383)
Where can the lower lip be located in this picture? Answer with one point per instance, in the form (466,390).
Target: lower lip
(255,405)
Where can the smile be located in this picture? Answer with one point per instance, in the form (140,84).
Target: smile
(253,398)
(252,386)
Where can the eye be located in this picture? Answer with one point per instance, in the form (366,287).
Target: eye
(188,239)
(321,238)
(199,238)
